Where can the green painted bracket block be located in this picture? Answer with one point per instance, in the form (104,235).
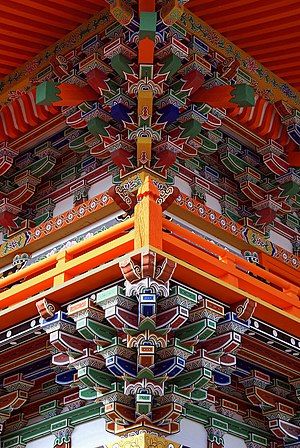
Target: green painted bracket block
(172,65)
(233,163)
(199,394)
(97,126)
(47,93)
(184,293)
(93,377)
(190,128)
(243,95)
(231,215)
(148,22)
(91,329)
(88,394)
(121,64)
(42,167)
(108,294)
(202,330)
(290,189)
(208,146)
(79,144)
(48,407)
(197,378)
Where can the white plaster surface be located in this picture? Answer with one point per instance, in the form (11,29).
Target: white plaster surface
(100,186)
(91,435)
(192,434)
(213,203)
(233,442)
(183,186)
(281,241)
(45,442)
(63,206)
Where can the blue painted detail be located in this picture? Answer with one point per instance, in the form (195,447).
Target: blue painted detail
(171,367)
(199,45)
(221,379)
(65,378)
(169,114)
(119,366)
(294,133)
(231,317)
(147,304)
(147,298)
(212,172)
(147,310)
(120,113)
(60,316)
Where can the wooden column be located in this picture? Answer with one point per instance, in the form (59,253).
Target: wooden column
(148,217)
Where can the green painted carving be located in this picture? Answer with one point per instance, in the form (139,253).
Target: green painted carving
(172,65)
(121,64)
(91,329)
(208,146)
(148,25)
(202,329)
(290,189)
(197,378)
(79,144)
(93,377)
(110,293)
(184,293)
(191,128)
(243,95)
(233,162)
(47,93)
(88,394)
(42,166)
(97,126)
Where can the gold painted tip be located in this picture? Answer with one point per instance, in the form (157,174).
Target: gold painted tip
(144,440)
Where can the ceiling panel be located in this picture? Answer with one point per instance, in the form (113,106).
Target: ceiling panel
(268,30)
(29,26)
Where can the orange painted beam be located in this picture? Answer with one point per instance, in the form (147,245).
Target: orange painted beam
(65,270)
(222,264)
(280,269)
(4,70)
(218,6)
(284,299)
(281,319)
(8,43)
(217,288)
(43,267)
(12,55)
(255,23)
(248,35)
(104,274)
